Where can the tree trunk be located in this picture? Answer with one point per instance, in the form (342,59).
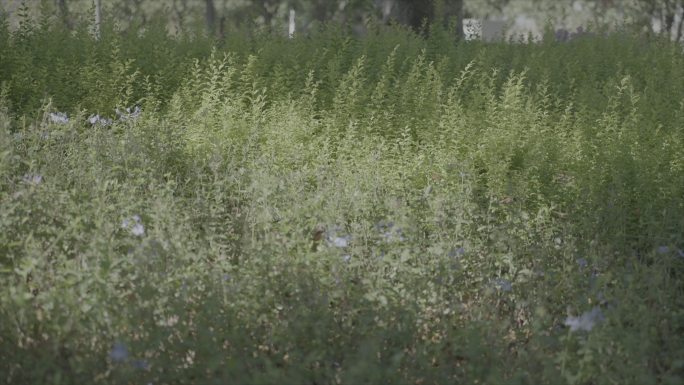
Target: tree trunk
(320,11)
(418,13)
(266,9)
(681,22)
(291,24)
(415,13)
(98,18)
(668,19)
(210,17)
(63,10)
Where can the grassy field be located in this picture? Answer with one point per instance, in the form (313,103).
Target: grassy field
(339,210)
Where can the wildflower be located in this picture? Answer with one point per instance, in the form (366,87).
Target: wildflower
(503,284)
(138,229)
(602,300)
(32,179)
(140,364)
(562,35)
(338,241)
(582,263)
(382,225)
(346,257)
(680,252)
(119,352)
(134,224)
(391,237)
(128,113)
(58,117)
(586,321)
(456,265)
(389,233)
(97,119)
(663,250)
(456,253)
(341,242)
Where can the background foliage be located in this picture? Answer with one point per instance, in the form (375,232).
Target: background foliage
(219,16)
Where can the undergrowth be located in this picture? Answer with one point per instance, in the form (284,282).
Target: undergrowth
(339,210)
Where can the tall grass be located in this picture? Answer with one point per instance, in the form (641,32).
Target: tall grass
(331,209)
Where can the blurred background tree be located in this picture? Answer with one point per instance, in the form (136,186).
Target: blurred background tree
(219,16)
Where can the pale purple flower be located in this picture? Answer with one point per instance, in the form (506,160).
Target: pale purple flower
(346,257)
(389,232)
(338,241)
(128,113)
(382,225)
(140,364)
(562,35)
(503,284)
(393,236)
(33,179)
(582,263)
(97,119)
(58,117)
(138,229)
(586,321)
(457,253)
(663,250)
(134,225)
(119,352)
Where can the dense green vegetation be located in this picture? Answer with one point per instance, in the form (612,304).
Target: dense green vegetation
(338,210)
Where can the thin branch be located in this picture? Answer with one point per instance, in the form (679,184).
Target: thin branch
(681,22)
(98,18)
